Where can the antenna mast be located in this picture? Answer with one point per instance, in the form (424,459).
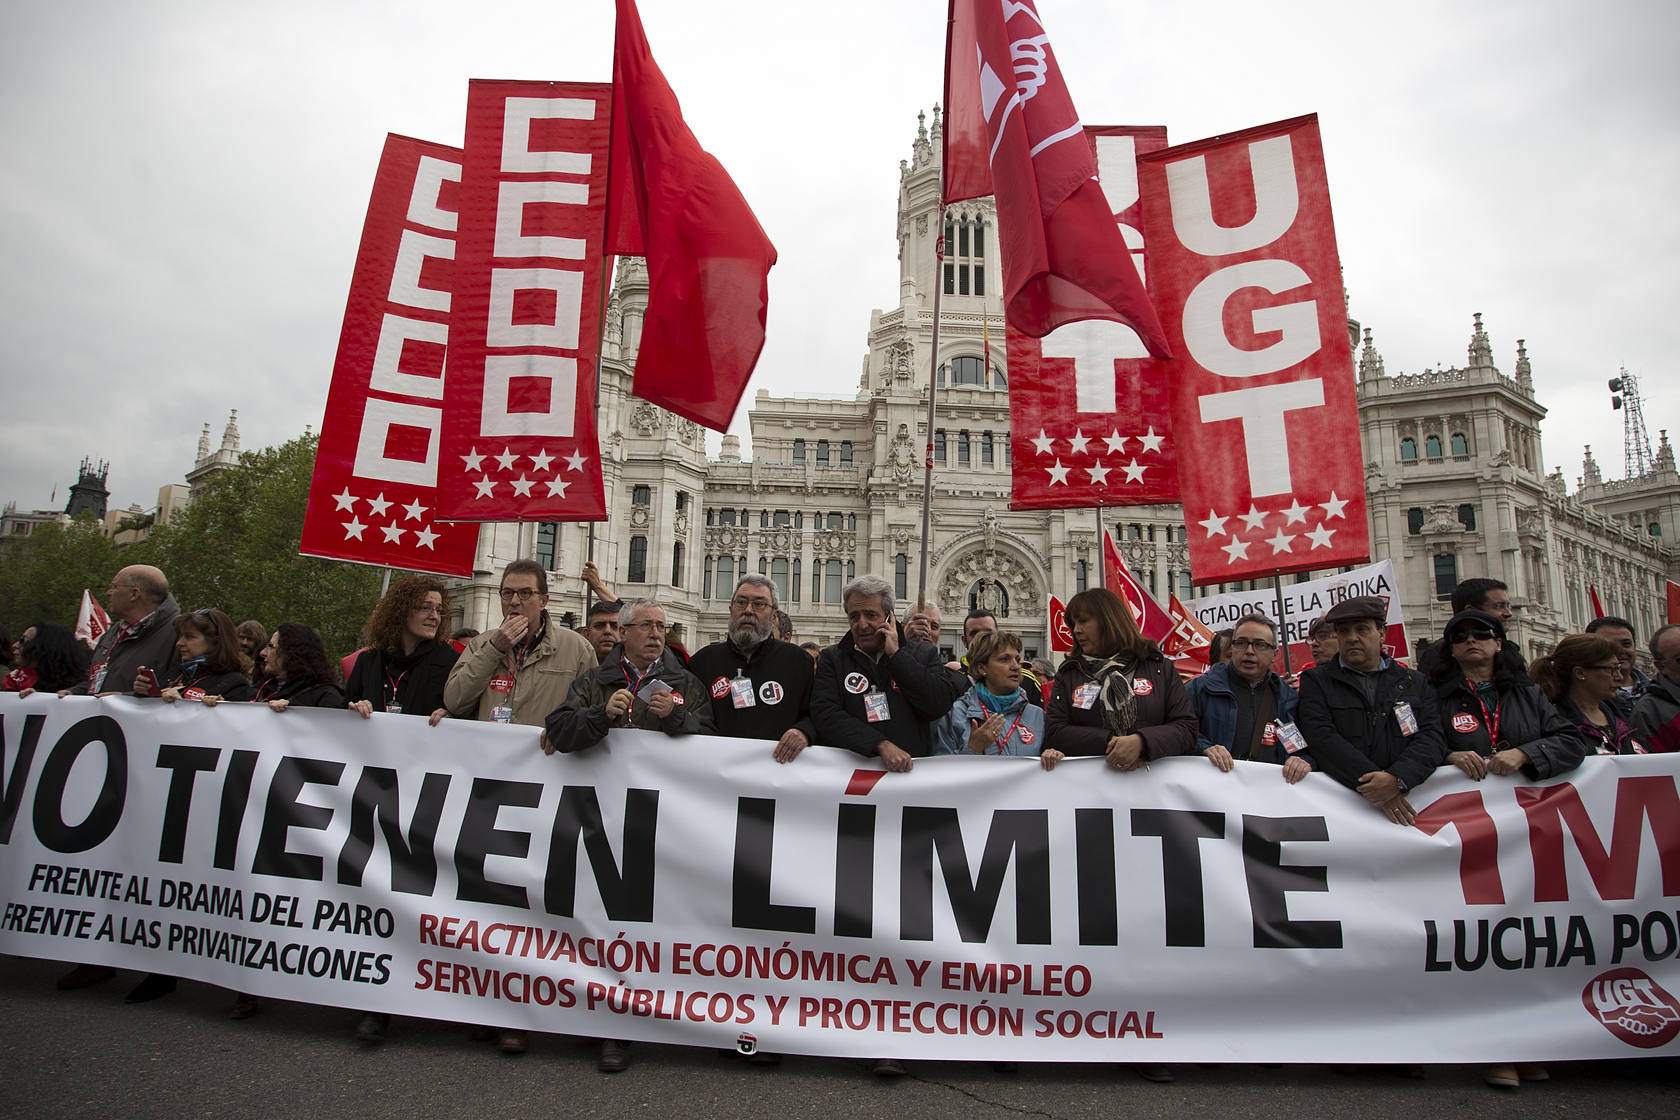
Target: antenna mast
(1625,396)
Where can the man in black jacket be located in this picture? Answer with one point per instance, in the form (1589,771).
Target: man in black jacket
(142,633)
(1371,723)
(875,693)
(760,686)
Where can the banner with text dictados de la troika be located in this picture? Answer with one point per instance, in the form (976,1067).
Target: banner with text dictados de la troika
(1245,274)
(373,498)
(697,892)
(519,440)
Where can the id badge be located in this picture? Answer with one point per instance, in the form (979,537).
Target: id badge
(501,713)
(741,693)
(1086,695)
(1408,721)
(1293,741)
(394,708)
(875,706)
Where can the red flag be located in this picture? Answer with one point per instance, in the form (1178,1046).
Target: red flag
(1061,638)
(373,497)
(1673,600)
(91,621)
(1189,637)
(708,260)
(1151,618)
(1011,131)
(1597,604)
(1242,255)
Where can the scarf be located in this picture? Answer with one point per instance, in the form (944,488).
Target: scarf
(993,701)
(1116,701)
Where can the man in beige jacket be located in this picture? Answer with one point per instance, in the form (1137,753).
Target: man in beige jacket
(522,670)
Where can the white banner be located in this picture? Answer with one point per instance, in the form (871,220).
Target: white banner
(693,891)
(1304,602)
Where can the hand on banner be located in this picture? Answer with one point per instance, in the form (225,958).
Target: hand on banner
(1295,769)
(982,735)
(26,693)
(363,708)
(896,761)
(278,705)
(210,701)
(1221,757)
(511,632)
(1400,811)
(1475,767)
(789,745)
(1506,762)
(1379,787)
(1125,752)
(1049,759)
(437,717)
(169,695)
(618,704)
(542,741)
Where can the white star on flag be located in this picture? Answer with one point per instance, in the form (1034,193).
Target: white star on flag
(472,458)
(1236,550)
(522,486)
(424,537)
(1079,440)
(575,461)
(507,459)
(1042,442)
(1058,473)
(1280,542)
(557,487)
(346,500)
(379,505)
(540,461)
(415,510)
(1215,524)
(1099,474)
(1321,536)
(486,488)
(1333,508)
(1116,442)
(353,528)
(393,535)
(1296,512)
(1152,442)
(1254,517)
(1134,472)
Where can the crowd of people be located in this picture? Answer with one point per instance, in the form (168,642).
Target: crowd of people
(885,691)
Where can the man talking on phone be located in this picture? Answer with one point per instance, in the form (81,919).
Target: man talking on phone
(875,692)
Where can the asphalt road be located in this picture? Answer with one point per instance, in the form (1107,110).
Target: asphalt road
(86,1053)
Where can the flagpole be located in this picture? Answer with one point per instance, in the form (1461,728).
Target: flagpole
(1283,633)
(1102,548)
(933,392)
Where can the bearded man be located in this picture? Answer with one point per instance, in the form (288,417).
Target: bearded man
(760,686)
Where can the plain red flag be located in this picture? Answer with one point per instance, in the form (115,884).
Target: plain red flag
(1597,604)
(708,260)
(1011,131)
(1152,618)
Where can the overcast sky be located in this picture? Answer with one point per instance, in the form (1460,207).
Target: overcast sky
(182,183)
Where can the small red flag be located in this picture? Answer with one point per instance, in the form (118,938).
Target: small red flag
(1151,617)
(1061,638)
(1189,637)
(1011,131)
(1597,604)
(708,259)
(91,620)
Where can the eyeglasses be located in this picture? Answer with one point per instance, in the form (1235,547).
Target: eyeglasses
(741,603)
(509,594)
(649,626)
(429,608)
(1259,645)
(1613,670)
(1473,636)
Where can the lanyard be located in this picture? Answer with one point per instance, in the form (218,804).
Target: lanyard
(263,690)
(1490,718)
(1004,738)
(636,686)
(396,682)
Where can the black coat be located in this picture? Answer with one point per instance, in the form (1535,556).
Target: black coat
(781,675)
(1527,721)
(1350,736)
(1166,721)
(302,693)
(918,686)
(420,691)
(230,685)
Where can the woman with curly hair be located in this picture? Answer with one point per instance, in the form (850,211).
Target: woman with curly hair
(299,674)
(213,667)
(406,664)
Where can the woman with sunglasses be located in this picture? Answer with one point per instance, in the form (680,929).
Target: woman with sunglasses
(298,672)
(212,668)
(1581,677)
(406,664)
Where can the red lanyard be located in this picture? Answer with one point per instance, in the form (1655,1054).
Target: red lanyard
(1004,738)
(396,683)
(636,686)
(263,690)
(1490,718)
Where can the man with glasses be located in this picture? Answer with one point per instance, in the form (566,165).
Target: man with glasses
(760,685)
(521,670)
(1370,722)
(1619,633)
(1657,713)
(142,633)
(1246,712)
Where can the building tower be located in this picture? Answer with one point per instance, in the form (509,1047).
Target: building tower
(89,495)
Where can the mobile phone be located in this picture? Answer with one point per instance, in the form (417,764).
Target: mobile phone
(151,680)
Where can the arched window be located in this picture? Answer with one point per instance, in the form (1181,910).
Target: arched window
(851,522)
(989,595)
(968,371)
(1408,449)
(1414,520)
(1432,447)
(1460,445)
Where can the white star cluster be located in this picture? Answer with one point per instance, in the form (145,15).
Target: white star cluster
(1123,456)
(523,473)
(1270,528)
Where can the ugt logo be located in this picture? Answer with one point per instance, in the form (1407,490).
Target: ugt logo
(1633,1007)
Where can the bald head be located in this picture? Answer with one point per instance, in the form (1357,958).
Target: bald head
(136,591)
